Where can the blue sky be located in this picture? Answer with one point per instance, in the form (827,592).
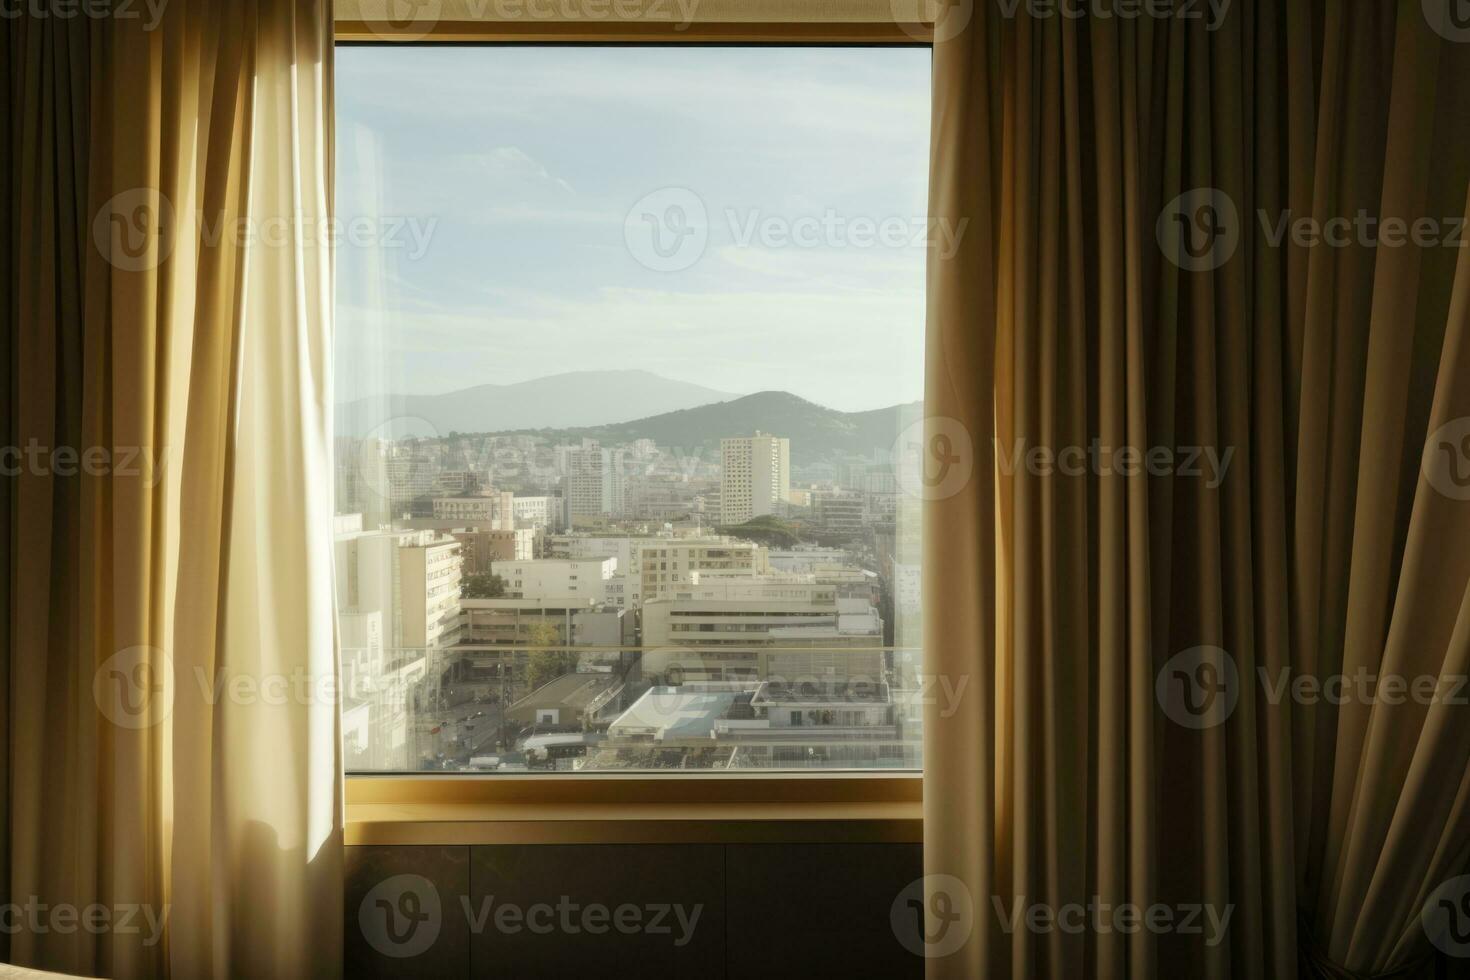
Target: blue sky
(505,186)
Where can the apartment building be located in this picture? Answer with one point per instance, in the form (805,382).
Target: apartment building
(482,510)
(537,512)
(755,477)
(761,629)
(661,498)
(557,578)
(510,622)
(411,578)
(840,512)
(482,548)
(458,483)
(595,485)
(766,724)
(668,567)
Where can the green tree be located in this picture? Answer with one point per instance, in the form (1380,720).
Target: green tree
(483,585)
(548,660)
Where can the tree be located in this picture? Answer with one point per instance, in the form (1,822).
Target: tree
(767,530)
(483,585)
(547,660)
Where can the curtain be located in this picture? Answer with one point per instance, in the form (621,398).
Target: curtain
(1221,452)
(173,752)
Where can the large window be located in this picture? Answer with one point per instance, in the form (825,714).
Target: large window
(629,368)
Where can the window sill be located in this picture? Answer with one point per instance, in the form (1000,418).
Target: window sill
(616,809)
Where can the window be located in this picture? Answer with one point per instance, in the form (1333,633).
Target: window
(655,308)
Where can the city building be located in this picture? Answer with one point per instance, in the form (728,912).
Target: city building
(481,548)
(410,578)
(594,485)
(755,477)
(761,630)
(537,512)
(840,512)
(661,498)
(482,510)
(518,622)
(557,578)
(764,725)
(668,566)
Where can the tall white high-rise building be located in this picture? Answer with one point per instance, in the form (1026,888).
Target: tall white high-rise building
(594,484)
(755,476)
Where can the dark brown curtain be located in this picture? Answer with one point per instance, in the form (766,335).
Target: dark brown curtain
(1275,431)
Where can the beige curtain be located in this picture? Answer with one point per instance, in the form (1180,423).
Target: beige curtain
(1090,305)
(173,752)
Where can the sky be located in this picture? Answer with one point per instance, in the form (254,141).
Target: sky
(748,219)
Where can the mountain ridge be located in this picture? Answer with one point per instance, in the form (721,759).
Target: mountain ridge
(816,432)
(569,399)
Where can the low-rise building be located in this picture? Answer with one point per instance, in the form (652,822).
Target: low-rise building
(765,725)
(482,548)
(557,578)
(761,630)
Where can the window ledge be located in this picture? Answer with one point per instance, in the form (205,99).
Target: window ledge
(634,810)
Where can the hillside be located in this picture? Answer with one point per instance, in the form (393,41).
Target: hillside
(579,398)
(816,433)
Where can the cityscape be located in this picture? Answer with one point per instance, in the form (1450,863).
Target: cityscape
(684,591)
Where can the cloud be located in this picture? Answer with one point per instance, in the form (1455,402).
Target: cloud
(530,158)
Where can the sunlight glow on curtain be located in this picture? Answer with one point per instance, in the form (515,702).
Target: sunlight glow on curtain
(175,730)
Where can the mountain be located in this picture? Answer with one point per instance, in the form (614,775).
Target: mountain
(580,398)
(815,432)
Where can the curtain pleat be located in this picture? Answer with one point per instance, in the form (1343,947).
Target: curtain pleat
(170,282)
(1318,376)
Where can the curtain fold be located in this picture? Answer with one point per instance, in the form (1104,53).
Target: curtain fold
(175,731)
(1224,459)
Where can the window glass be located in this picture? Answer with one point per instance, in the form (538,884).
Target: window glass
(628,376)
